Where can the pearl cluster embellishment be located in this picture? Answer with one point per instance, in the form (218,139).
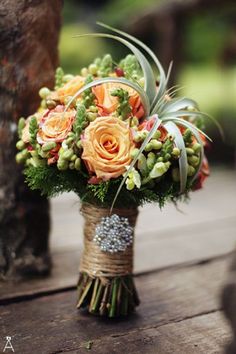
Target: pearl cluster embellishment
(113,234)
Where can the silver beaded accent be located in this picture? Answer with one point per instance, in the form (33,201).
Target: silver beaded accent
(113,234)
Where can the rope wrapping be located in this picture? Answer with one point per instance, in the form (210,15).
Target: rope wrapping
(94,261)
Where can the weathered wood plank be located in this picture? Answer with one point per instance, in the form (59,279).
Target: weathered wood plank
(202,334)
(153,251)
(51,324)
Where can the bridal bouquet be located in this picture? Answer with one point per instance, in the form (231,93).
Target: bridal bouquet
(118,138)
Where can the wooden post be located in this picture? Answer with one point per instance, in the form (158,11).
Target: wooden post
(29,32)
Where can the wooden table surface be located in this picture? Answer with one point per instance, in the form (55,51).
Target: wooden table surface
(181,264)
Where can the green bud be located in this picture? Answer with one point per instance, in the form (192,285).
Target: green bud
(73,158)
(69,141)
(43,104)
(79,144)
(157,134)
(159,169)
(167,156)
(67,77)
(134,122)
(134,153)
(151,158)
(84,72)
(77,164)
(193,160)
(91,116)
(37,162)
(142,164)
(93,69)
(176,152)
(191,170)
(50,104)
(20,145)
(33,153)
(148,147)
(144,134)
(44,92)
(49,146)
(62,165)
(156,145)
(129,184)
(19,158)
(97,61)
(93,109)
(196,147)
(175,175)
(42,154)
(160,159)
(21,123)
(138,138)
(71,166)
(189,151)
(25,154)
(67,155)
(71,135)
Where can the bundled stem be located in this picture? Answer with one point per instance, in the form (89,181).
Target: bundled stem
(113,297)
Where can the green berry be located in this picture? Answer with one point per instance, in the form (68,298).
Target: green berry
(49,146)
(44,92)
(84,72)
(156,145)
(78,164)
(189,151)
(191,170)
(176,152)
(196,147)
(93,69)
(50,104)
(20,145)
(67,155)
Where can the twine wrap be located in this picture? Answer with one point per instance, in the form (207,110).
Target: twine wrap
(95,262)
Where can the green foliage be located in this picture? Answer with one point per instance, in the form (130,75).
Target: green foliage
(131,67)
(88,96)
(21,125)
(59,78)
(106,66)
(52,182)
(80,120)
(99,190)
(33,129)
(124,109)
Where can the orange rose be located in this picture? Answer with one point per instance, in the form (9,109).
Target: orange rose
(108,103)
(107,143)
(55,126)
(25,132)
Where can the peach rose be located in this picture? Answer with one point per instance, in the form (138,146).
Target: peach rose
(107,143)
(69,89)
(108,103)
(55,126)
(25,132)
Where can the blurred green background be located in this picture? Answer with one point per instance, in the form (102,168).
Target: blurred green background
(199,37)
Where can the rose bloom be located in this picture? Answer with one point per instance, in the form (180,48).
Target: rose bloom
(55,125)
(107,143)
(25,132)
(69,89)
(107,103)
